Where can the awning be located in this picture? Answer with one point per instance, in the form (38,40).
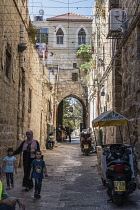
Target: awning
(109,118)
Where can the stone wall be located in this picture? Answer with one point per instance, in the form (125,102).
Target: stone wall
(23,95)
(130,73)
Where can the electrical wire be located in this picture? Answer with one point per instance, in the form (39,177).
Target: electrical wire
(49,49)
(69,3)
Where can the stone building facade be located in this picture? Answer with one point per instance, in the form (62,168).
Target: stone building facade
(122,35)
(101,75)
(66,33)
(24,96)
(130,66)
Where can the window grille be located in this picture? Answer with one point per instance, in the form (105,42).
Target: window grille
(81,37)
(74,65)
(59,36)
(74,76)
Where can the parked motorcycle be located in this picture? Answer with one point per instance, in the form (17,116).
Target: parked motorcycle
(50,143)
(85,143)
(120,172)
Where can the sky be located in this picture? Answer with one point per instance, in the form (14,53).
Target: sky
(57,7)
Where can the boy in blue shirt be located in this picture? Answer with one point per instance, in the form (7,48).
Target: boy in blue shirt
(38,167)
(10,166)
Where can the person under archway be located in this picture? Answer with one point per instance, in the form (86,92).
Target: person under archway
(69,131)
(59,133)
(64,134)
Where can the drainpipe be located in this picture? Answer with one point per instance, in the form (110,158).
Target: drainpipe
(55,102)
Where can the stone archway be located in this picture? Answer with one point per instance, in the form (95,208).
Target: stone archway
(75,90)
(59,120)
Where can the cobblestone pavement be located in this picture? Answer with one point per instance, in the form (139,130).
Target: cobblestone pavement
(73,184)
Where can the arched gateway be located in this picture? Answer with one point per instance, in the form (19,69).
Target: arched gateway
(66,33)
(83,111)
(69,88)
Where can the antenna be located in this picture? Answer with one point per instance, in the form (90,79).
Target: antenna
(41,12)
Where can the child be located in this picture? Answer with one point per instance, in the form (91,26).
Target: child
(38,166)
(7,202)
(10,166)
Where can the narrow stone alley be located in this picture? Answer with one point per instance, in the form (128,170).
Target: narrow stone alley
(73,183)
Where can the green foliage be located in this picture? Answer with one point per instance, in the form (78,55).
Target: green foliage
(72,119)
(85,67)
(32,33)
(84,52)
(87,77)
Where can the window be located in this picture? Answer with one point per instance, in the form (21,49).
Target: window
(8,61)
(81,37)
(74,65)
(59,36)
(42,36)
(74,77)
(30,100)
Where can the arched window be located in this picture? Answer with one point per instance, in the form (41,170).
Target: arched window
(59,36)
(81,37)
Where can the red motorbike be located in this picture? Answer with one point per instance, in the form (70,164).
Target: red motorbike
(85,142)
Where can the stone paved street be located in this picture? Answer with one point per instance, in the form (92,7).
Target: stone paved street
(73,183)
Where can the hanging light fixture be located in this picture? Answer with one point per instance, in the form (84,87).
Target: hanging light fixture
(102,92)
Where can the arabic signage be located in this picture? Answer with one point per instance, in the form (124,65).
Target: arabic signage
(113,116)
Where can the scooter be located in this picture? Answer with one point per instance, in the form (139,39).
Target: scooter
(85,143)
(50,143)
(120,173)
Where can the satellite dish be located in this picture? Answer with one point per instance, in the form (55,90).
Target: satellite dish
(41,12)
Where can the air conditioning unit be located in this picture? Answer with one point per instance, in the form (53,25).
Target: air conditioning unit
(115,20)
(113,3)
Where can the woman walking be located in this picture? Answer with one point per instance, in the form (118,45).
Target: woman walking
(28,146)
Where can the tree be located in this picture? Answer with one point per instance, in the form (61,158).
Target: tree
(72,118)
(84,52)
(85,67)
